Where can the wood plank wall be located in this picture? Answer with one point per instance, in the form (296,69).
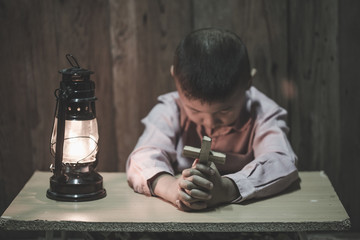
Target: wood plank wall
(349,85)
(299,47)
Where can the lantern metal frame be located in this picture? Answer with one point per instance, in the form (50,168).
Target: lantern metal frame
(74,182)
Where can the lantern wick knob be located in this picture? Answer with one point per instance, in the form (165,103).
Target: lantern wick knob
(72,60)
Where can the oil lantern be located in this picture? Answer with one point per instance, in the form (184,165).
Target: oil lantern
(74,139)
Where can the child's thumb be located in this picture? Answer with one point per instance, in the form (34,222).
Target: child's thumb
(195,162)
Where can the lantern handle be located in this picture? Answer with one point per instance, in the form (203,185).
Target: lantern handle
(71,59)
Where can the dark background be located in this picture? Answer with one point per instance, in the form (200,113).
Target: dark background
(306,53)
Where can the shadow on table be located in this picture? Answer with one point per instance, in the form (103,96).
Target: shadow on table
(295,186)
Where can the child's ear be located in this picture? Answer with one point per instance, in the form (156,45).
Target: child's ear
(172,70)
(253,73)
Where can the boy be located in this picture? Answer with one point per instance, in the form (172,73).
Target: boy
(215,98)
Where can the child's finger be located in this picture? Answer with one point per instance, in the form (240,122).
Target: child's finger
(201,182)
(213,166)
(186,202)
(191,172)
(195,162)
(182,206)
(198,194)
(184,197)
(197,205)
(186,184)
(208,170)
(186,206)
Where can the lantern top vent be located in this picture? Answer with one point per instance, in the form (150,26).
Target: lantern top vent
(75,72)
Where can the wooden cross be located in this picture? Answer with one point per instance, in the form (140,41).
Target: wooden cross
(204,154)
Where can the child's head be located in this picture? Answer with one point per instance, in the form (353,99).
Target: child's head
(211,64)
(212,73)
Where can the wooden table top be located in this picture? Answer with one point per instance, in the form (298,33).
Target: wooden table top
(313,207)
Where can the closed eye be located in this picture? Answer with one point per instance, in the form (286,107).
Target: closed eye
(193,110)
(226,110)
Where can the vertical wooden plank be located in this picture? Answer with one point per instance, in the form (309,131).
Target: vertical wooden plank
(212,13)
(263,28)
(143,38)
(41,79)
(83,30)
(101,63)
(21,112)
(123,52)
(314,66)
(349,51)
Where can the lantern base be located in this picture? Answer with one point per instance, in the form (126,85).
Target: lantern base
(76,187)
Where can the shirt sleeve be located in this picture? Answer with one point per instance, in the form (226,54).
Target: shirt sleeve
(155,150)
(274,166)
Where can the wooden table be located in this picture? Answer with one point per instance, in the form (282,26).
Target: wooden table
(313,207)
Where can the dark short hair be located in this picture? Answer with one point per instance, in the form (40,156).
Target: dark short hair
(210,64)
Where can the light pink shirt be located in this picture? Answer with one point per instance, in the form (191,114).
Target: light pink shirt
(259,158)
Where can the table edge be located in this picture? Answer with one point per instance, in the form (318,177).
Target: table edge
(41,225)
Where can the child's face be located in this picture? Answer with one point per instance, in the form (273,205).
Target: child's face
(216,114)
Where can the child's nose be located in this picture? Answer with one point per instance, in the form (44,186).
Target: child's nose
(210,121)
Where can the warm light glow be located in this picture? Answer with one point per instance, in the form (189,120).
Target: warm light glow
(80,141)
(79,149)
